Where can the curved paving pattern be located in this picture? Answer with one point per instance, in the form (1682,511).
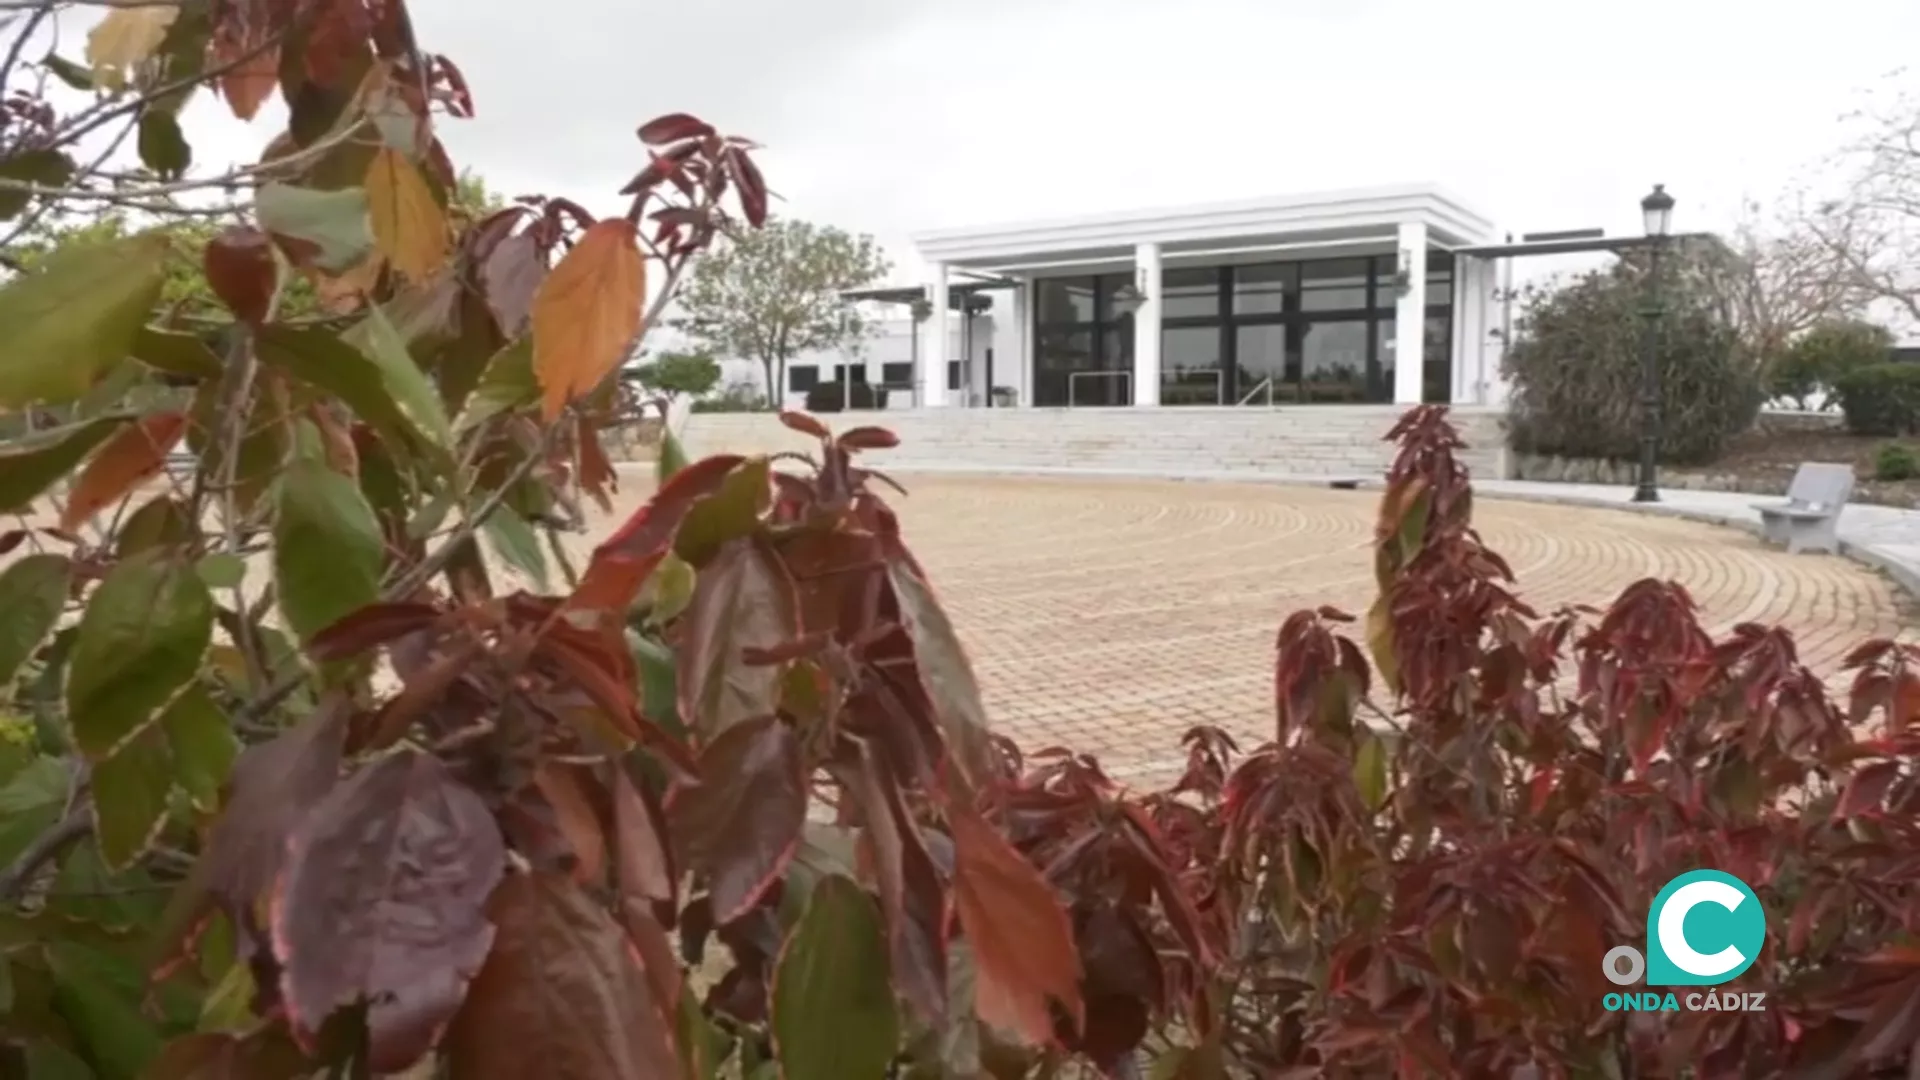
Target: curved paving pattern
(1111,615)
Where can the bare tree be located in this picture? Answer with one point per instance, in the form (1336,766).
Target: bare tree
(1780,276)
(1872,226)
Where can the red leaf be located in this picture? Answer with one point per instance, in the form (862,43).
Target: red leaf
(672,128)
(563,994)
(869,438)
(384,899)
(804,424)
(242,272)
(1866,789)
(134,455)
(743,599)
(510,275)
(620,565)
(752,187)
(369,628)
(741,824)
(1022,941)
(912,895)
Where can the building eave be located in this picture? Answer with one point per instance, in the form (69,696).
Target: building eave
(1368,211)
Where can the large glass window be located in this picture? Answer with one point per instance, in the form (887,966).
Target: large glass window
(1314,330)
(1190,372)
(1260,363)
(1334,285)
(1063,300)
(1262,290)
(1188,294)
(1437,361)
(1333,362)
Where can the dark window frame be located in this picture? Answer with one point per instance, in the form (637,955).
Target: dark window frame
(1377,311)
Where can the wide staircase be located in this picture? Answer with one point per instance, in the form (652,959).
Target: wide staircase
(1338,442)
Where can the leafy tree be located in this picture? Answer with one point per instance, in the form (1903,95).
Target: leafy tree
(1576,364)
(774,293)
(1814,362)
(692,374)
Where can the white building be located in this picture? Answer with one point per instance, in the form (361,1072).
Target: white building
(1292,299)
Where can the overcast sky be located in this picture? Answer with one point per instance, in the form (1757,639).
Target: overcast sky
(894,116)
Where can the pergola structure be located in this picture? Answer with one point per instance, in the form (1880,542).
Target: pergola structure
(965,297)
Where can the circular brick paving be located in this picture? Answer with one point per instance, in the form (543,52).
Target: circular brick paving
(1112,615)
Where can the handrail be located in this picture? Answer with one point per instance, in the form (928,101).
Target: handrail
(1265,385)
(1073,386)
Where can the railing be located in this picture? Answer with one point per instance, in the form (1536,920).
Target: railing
(1264,386)
(1073,385)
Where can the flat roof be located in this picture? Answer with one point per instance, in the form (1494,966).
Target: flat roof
(1362,215)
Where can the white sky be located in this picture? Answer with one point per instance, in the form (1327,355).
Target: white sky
(892,116)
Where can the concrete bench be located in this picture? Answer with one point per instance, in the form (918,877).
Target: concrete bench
(1809,518)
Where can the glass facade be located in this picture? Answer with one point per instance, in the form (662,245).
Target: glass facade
(1307,332)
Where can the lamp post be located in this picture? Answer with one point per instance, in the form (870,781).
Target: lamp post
(1657,212)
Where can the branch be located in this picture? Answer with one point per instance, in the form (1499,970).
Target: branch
(45,848)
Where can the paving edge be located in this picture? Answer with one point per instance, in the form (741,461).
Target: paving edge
(1903,574)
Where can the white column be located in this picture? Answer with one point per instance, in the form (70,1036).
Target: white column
(1410,316)
(1146,325)
(937,340)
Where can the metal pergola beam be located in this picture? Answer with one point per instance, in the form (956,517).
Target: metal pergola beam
(1576,247)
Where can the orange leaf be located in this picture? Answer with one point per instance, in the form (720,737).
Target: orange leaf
(587,313)
(247,86)
(1022,943)
(130,458)
(579,823)
(407,223)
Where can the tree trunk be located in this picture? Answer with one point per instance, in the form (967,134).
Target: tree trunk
(775,391)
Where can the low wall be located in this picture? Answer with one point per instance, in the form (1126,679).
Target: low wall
(1559,470)
(1334,441)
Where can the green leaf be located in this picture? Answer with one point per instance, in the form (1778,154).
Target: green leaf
(203,746)
(29,466)
(506,385)
(833,1006)
(130,795)
(659,694)
(515,541)
(672,457)
(76,316)
(49,1061)
(327,548)
(99,995)
(222,570)
(162,522)
(176,353)
(321,359)
(1370,771)
(33,593)
(668,590)
(703,1046)
(333,223)
(376,338)
(47,168)
(731,512)
(78,76)
(163,147)
(30,802)
(144,632)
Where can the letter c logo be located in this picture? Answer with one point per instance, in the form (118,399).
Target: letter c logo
(1719,910)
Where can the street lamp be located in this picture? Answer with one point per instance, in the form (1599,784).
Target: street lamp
(1657,212)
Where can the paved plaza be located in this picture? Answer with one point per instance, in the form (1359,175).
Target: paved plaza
(1111,615)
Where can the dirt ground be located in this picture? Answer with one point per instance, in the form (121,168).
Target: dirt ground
(1764,461)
